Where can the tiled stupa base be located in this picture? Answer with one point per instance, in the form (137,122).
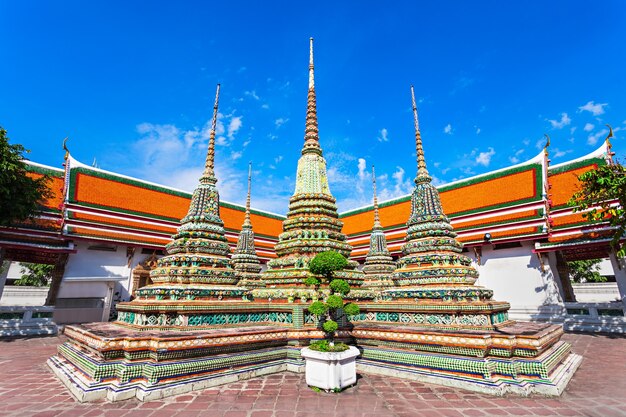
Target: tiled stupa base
(547,375)
(109,361)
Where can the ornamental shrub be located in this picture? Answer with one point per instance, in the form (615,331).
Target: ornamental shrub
(326,263)
(318,308)
(329,311)
(340,286)
(334,301)
(351,309)
(330,326)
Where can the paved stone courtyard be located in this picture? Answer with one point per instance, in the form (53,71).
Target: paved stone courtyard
(28,388)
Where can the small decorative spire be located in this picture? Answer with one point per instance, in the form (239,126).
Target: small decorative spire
(209,165)
(246,221)
(545,148)
(311,132)
(376,216)
(311,77)
(422,172)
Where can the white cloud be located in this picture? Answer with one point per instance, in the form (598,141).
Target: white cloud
(478,130)
(588,127)
(436,164)
(234,125)
(448,129)
(572,130)
(280,121)
(234,155)
(593,139)
(362,166)
(382,137)
(252,94)
(278,159)
(593,108)
(513,159)
(558,153)
(265,106)
(484,158)
(246,143)
(559,124)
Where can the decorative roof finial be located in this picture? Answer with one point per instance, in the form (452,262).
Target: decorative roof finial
(422,172)
(376,216)
(209,164)
(67,151)
(247,222)
(311,132)
(608,144)
(545,148)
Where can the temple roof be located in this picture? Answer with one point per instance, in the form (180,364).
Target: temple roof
(104,205)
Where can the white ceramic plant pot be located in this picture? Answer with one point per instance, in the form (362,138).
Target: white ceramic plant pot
(330,370)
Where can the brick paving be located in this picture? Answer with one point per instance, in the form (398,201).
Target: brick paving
(28,388)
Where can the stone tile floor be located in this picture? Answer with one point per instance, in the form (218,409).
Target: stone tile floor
(28,388)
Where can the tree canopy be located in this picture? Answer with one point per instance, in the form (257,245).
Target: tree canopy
(600,189)
(20,194)
(35,275)
(587,270)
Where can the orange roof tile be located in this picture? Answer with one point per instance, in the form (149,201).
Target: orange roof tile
(106,193)
(565,184)
(497,191)
(55,185)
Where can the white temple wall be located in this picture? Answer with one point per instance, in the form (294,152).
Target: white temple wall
(515,275)
(95,277)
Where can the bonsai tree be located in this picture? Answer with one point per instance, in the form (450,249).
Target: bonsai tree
(324,265)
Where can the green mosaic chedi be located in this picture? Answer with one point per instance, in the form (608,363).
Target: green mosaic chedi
(432,262)
(379,263)
(197,264)
(312,225)
(245,260)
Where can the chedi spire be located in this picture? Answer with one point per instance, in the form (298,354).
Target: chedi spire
(378,264)
(432,255)
(245,260)
(422,172)
(197,264)
(312,225)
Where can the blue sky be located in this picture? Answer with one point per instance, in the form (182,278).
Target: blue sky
(132,84)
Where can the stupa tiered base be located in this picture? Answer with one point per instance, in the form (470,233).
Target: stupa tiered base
(474,347)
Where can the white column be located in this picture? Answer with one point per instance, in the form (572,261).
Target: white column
(619,270)
(108,301)
(554,286)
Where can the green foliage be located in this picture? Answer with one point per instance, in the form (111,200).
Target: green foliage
(340,286)
(328,312)
(20,195)
(312,281)
(325,346)
(325,263)
(585,271)
(330,326)
(35,275)
(334,302)
(351,309)
(318,308)
(600,189)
